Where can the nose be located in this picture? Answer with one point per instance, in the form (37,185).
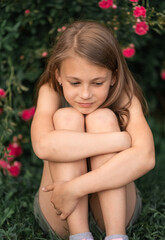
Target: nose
(86,92)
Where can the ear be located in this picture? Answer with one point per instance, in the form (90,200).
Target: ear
(57,75)
(113,80)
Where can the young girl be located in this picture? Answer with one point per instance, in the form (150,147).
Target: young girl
(90,129)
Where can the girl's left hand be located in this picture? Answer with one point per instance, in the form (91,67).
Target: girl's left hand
(62,198)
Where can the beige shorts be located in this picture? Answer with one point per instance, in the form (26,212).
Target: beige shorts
(43,223)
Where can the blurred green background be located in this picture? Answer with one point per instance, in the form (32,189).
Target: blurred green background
(28,31)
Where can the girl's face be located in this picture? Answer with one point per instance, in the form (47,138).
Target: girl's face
(85,85)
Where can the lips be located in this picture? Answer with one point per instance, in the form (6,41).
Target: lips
(86,105)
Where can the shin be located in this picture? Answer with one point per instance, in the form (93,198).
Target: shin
(112,202)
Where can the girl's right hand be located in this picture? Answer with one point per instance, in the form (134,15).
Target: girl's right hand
(62,198)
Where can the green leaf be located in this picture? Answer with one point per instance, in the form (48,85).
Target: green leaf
(8,212)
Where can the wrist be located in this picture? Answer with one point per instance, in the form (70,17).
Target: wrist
(77,187)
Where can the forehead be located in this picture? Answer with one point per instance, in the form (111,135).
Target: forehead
(79,66)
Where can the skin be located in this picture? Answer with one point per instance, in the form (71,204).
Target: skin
(86,87)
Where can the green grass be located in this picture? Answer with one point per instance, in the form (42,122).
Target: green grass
(16,204)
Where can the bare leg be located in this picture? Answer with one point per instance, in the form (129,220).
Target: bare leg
(113,202)
(61,227)
(71,119)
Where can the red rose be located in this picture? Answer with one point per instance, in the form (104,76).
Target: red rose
(129,52)
(15,150)
(27,11)
(106,4)
(15,169)
(27,114)
(139,11)
(2,93)
(141,28)
(3,164)
(162,74)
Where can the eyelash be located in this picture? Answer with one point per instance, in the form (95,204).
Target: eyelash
(74,83)
(98,83)
(77,83)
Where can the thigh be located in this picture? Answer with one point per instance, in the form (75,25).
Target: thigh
(68,119)
(96,209)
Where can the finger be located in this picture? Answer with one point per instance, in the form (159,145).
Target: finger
(63,216)
(48,188)
(58,212)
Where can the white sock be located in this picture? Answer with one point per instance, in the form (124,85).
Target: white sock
(117,237)
(82,236)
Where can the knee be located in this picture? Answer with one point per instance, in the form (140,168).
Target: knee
(68,118)
(102,120)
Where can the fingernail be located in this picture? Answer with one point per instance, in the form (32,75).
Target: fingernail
(43,188)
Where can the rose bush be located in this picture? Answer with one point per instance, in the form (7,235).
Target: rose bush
(30,28)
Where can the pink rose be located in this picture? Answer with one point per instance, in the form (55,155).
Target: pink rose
(139,11)
(15,169)
(163,74)
(114,6)
(4,164)
(27,11)
(105,4)
(141,28)
(2,93)
(15,150)
(131,45)
(44,54)
(129,52)
(63,28)
(134,0)
(27,114)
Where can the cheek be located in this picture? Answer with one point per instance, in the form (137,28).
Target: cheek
(102,94)
(68,94)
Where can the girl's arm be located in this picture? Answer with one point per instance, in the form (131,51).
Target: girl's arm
(125,166)
(56,145)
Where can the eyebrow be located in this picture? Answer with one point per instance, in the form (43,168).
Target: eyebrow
(94,79)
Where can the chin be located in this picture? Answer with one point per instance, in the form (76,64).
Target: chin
(86,111)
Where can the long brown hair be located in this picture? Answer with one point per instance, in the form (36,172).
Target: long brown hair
(96,43)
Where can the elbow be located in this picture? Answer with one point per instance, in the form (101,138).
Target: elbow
(149,157)
(40,150)
(152,161)
(45,151)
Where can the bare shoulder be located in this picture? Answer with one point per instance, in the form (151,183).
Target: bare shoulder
(48,100)
(138,127)
(47,104)
(135,108)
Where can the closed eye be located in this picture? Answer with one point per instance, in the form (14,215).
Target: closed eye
(98,83)
(75,83)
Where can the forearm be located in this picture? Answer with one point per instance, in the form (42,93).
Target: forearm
(69,146)
(120,170)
